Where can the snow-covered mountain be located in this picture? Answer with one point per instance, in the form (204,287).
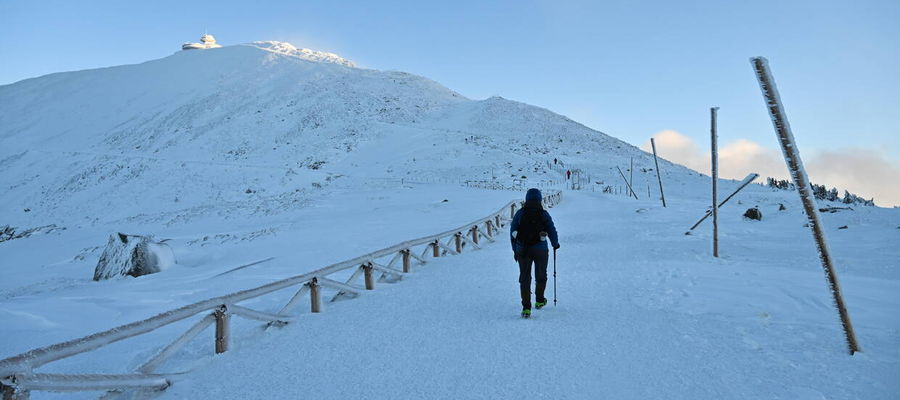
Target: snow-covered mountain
(250,127)
(262,161)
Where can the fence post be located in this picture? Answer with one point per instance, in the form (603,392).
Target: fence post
(222,318)
(10,393)
(658,175)
(798,173)
(405,254)
(474,234)
(458,237)
(714,155)
(370,279)
(497,220)
(314,298)
(437,248)
(490,230)
(512,210)
(631,173)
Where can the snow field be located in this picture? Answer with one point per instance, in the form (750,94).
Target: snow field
(644,312)
(50,297)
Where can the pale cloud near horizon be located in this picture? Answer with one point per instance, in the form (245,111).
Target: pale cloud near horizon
(864,172)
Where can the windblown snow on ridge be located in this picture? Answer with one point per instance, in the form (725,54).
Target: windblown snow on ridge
(288,49)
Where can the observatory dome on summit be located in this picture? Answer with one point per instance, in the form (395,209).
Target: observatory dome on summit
(207,41)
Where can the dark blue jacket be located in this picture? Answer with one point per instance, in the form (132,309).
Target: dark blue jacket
(548,227)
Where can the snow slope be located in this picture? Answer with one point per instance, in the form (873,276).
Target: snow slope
(260,151)
(181,137)
(643,312)
(240,143)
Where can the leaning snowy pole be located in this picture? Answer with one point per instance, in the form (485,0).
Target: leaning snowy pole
(798,174)
(658,176)
(742,185)
(631,173)
(627,184)
(714,156)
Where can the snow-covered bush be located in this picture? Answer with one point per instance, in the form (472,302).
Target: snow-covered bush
(132,255)
(820,192)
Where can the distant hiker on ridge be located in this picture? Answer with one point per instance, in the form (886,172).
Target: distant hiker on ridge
(529,231)
(568,174)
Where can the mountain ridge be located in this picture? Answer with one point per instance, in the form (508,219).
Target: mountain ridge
(200,128)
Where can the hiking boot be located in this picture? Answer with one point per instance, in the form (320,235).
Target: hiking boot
(540,304)
(526,312)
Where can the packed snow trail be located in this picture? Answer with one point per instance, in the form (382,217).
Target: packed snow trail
(643,312)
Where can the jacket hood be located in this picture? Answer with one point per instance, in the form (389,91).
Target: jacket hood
(533,195)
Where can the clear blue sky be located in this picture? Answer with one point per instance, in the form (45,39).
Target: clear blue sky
(628,68)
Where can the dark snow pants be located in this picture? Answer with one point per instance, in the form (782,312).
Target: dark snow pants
(539,258)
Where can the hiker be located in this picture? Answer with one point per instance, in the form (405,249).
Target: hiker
(568,174)
(554,161)
(530,228)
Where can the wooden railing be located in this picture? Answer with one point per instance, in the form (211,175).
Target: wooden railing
(18,377)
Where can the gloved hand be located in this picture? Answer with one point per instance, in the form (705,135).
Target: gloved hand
(555,246)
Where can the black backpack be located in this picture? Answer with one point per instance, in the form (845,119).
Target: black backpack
(530,226)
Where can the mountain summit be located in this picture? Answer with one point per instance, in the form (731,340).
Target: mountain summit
(250,128)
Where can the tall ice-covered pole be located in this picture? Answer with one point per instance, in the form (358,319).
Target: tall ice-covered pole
(714,156)
(801,180)
(658,176)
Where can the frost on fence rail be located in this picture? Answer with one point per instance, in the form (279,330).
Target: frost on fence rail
(17,375)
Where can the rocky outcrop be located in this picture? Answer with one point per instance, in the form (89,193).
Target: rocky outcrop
(132,255)
(753,213)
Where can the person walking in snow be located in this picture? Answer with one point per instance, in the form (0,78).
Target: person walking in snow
(530,228)
(568,174)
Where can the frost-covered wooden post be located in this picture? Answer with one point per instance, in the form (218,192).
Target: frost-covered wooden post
(9,392)
(801,180)
(631,173)
(474,234)
(436,248)
(497,221)
(222,330)
(658,175)
(406,263)
(12,393)
(512,210)
(369,277)
(314,297)
(714,156)
(458,237)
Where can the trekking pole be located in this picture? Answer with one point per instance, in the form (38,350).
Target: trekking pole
(554,277)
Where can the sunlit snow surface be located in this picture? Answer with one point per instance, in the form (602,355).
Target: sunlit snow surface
(240,153)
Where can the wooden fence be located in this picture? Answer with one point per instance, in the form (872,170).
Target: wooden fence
(18,377)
